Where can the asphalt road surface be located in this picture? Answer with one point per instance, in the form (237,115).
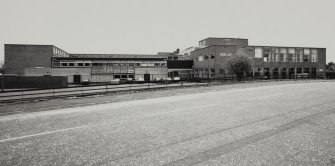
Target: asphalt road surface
(288,124)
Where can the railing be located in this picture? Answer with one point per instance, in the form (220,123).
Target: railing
(36,94)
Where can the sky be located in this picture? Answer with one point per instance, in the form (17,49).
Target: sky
(151,26)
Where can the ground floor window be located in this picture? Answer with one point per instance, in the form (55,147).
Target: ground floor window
(313,72)
(275,71)
(299,70)
(283,71)
(266,71)
(307,70)
(291,71)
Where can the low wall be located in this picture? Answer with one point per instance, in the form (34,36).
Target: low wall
(18,82)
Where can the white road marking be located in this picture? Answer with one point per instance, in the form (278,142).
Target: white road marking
(79,127)
(43,133)
(178,110)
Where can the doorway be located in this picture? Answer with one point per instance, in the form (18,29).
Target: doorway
(147,77)
(76,79)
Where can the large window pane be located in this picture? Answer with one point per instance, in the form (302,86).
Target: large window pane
(258,52)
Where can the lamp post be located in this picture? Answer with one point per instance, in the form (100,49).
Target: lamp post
(295,77)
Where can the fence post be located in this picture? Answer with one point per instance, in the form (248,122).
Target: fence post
(21,95)
(106,89)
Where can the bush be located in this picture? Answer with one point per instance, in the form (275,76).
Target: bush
(240,65)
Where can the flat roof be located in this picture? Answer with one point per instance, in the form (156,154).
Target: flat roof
(256,46)
(30,45)
(135,56)
(223,38)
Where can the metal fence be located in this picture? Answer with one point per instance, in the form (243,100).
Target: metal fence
(38,94)
(80,90)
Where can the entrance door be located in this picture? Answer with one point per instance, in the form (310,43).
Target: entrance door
(76,79)
(147,77)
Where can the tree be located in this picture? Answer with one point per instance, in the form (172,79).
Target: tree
(330,66)
(240,64)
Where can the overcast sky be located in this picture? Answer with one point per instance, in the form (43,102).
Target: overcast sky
(151,26)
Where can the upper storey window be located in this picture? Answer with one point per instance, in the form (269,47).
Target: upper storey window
(314,55)
(258,52)
(307,53)
(202,43)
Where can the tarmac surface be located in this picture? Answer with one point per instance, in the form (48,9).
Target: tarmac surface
(280,123)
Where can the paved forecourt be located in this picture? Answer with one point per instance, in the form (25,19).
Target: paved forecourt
(271,125)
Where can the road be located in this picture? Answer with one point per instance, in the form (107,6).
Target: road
(288,124)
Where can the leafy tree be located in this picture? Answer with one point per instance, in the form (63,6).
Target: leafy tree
(330,66)
(240,64)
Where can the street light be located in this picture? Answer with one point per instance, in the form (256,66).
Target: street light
(295,79)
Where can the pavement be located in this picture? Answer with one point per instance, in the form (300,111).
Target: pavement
(276,123)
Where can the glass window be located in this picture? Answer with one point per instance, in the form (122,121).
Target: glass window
(151,64)
(290,58)
(306,58)
(314,51)
(212,56)
(314,55)
(87,64)
(307,70)
(283,71)
(200,58)
(283,50)
(266,50)
(71,64)
(266,57)
(314,58)
(299,55)
(291,50)
(250,52)
(313,72)
(63,64)
(299,70)
(306,51)
(282,58)
(258,52)
(206,57)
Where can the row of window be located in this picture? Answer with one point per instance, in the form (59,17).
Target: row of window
(206,57)
(272,54)
(264,71)
(89,64)
(200,70)
(285,71)
(289,58)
